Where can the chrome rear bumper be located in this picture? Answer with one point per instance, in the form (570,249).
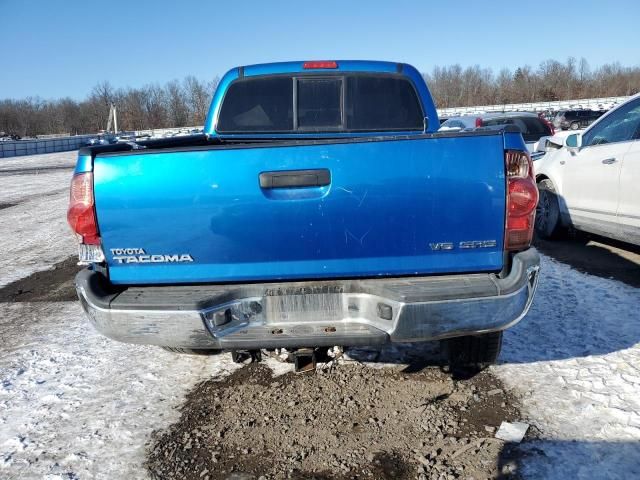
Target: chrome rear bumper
(316,313)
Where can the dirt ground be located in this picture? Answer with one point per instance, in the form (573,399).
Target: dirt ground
(55,285)
(347,422)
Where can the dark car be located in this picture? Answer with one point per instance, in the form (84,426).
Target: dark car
(532,126)
(8,137)
(575,119)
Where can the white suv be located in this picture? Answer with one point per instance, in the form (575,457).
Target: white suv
(594,183)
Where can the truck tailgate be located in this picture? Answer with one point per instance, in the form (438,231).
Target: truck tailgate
(381,207)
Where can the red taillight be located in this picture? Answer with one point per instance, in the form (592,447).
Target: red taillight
(81,215)
(319,64)
(478,122)
(522,198)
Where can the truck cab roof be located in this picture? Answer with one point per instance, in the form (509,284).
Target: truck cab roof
(324,68)
(275,68)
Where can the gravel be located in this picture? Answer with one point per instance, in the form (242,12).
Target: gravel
(348,422)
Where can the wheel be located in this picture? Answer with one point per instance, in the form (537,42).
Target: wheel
(547,211)
(574,126)
(193,351)
(472,353)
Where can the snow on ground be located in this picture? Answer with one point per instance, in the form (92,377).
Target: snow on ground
(33,232)
(34,236)
(575,361)
(22,178)
(76,405)
(24,187)
(46,160)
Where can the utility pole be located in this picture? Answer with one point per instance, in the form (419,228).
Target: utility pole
(113,119)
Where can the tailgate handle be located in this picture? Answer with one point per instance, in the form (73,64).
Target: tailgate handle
(295,178)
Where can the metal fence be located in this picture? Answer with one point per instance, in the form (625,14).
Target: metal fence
(64,144)
(49,145)
(604,103)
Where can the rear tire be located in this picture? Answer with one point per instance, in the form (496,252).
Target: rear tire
(473,353)
(548,224)
(574,126)
(193,351)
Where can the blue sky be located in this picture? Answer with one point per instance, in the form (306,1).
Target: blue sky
(55,48)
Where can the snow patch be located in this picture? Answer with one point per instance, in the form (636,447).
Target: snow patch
(34,233)
(575,362)
(77,405)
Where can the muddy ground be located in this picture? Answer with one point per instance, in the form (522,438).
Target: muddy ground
(54,285)
(348,422)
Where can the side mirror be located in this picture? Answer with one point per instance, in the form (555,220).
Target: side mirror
(573,141)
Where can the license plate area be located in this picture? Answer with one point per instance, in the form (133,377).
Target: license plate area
(306,304)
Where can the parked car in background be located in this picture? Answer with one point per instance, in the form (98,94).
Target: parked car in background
(532,127)
(548,115)
(575,119)
(96,141)
(591,184)
(105,139)
(7,137)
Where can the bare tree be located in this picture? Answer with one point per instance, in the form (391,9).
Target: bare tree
(156,107)
(198,98)
(178,108)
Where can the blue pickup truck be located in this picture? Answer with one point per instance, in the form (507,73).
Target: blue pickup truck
(320,207)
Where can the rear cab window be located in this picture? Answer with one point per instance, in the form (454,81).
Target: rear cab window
(267,107)
(321,103)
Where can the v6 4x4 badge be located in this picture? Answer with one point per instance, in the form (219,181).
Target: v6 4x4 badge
(464,245)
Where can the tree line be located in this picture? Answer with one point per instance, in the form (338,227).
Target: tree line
(454,86)
(176,104)
(185,103)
